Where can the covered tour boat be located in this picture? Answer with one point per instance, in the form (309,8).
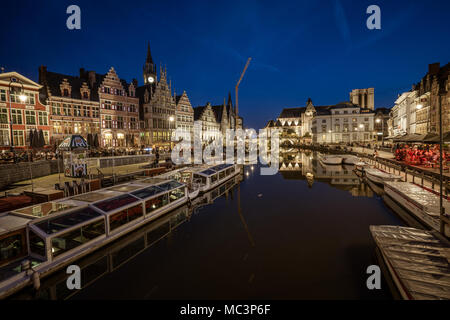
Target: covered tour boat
(416,261)
(54,234)
(420,202)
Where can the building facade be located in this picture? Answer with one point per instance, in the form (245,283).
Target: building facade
(185,114)
(341,123)
(73,105)
(21,105)
(119,112)
(158,106)
(210,126)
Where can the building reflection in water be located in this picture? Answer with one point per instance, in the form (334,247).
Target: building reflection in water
(306,166)
(112,257)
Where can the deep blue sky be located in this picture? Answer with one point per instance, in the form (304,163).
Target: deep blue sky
(319,49)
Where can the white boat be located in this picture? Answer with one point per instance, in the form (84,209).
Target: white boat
(349,159)
(380,177)
(361,165)
(330,159)
(420,202)
(54,234)
(416,261)
(213,176)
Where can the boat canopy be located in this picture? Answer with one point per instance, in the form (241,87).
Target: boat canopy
(65,221)
(42,209)
(116,203)
(215,169)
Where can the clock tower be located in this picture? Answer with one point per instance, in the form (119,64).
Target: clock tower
(149,69)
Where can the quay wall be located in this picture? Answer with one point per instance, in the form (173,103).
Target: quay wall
(12,173)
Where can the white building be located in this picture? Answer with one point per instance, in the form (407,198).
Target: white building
(341,123)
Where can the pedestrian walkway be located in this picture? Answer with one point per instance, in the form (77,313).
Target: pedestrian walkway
(48,182)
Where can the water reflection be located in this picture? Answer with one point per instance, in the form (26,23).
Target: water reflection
(306,166)
(114,256)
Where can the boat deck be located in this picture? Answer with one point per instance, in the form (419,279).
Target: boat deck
(418,261)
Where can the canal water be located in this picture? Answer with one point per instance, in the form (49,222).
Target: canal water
(300,234)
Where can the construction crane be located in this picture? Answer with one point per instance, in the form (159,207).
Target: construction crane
(237,88)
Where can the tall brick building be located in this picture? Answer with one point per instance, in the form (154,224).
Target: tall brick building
(19,102)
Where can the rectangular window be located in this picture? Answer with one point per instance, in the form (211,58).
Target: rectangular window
(17,116)
(108,122)
(77,111)
(2,95)
(4,137)
(66,109)
(19,139)
(214,178)
(12,246)
(156,203)
(125,216)
(176,194)
(37,244)
(72,239)
(4,116)
(30,117)
(43,118)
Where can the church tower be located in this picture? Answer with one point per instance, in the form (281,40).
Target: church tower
(149,69)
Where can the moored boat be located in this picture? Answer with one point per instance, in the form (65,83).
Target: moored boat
(361,165)
(349,159)
(380,177)
(420,202)
(54,234)
(417,261)
(330,159)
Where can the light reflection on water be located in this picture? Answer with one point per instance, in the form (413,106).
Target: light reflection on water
(300,234)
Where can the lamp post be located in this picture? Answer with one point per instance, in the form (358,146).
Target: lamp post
(22,98)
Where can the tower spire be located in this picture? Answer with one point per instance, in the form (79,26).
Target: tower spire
(149,54)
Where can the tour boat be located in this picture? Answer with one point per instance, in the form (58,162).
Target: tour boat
(349,159)
(213,176)
(361,165)
(54,234)
(380,177)
(330,159)
(415,260)
(420,202)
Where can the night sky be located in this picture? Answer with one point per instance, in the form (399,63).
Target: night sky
(319,49)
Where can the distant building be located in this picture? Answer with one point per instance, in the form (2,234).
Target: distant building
(158,106)
(363,98)
(73,103)
(19,102)
(341,123)
(119,111)
(427,99)
(210,125)
(185,114)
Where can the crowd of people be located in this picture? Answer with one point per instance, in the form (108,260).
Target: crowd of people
(426,155)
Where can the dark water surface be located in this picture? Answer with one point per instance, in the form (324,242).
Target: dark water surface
(300,234)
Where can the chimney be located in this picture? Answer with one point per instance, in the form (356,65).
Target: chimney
(433,68)
(82,73)
(42,74)
(91,78)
